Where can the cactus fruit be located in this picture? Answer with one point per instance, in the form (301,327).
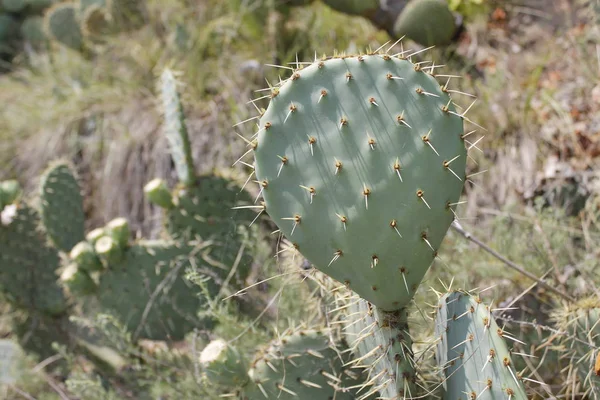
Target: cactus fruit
(62,25)
(301,365)
(360,160)
(472,351)
(381,342)
(118,230)
(108,250)
(222,364)
(28,277)
(175,128)
(158,193)
(62,207)
(160,303)
(427,22)
(9,192)
(85,257)
(580,347)
(79,282)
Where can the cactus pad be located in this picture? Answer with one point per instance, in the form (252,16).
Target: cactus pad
(360,160)
(160,303)
(62,25)
(62,207)
(28,276)
(223,364)
(473,351)
(381,342)
(301,365)
(427,22)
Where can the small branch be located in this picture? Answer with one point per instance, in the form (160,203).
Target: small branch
(458,228)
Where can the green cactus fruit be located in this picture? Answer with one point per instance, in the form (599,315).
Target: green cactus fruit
(62,206)
(62,25)
(9,27)
(473,351)
(360,160)
(14,6)
(28,276)
(32,30)
(155,300)
(222,364)
(381,341)
(175,128)
(158,193)
(582,322)
(10,191)
(118,230)
(300,365)
(93,235)
(79,282)
(427,22)
(85,257)
(108,250)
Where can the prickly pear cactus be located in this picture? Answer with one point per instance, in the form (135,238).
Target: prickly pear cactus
(580,346)
(427,22)
(473,351)
(154,299)
(62,25)
(62,206)
(304,365)
(360,160)
(28,276)
(9,192)
(175,128)
(381,341)
(222,364)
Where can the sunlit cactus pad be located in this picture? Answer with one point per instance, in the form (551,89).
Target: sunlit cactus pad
(360,160)
(473,351)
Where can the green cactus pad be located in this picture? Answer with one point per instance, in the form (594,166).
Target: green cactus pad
(381,341)
(77,280)
(9,192)
(32,30)
(427,22)
(9,27)
(223,364)
(473,352)
(582,322)
(28,276)
(301,365)
(175,128)
(354,7)
(85,257)
(62,207)
(154,300)
(62,25)
(360,160)
(158,193)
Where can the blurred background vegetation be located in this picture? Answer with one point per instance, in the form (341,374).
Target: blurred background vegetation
(532,64)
